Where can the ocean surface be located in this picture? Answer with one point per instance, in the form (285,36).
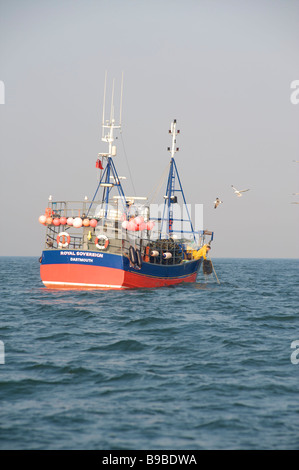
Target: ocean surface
(202,366)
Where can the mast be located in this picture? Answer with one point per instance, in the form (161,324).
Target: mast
(110,125)
(172,189)
(110,174)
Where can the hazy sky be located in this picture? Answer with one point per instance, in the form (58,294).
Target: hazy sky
(222,68)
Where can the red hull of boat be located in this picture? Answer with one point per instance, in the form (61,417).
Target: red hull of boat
(71,276)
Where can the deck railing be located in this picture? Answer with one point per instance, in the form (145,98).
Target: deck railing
(156,251)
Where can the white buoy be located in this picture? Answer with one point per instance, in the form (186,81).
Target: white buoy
(155,253)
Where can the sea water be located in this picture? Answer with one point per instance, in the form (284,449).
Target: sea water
(202,366)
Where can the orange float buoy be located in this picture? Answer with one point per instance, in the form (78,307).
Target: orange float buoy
(131,226)
(93,223)
(77,222)
(86,222)
(62,220)
(150,225)
(138,220)
(48,212)
(49,220)
(56,221)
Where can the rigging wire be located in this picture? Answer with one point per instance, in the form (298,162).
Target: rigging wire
(127,161)
(215,273)
(156,190)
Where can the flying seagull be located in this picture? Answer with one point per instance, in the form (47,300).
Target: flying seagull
(237,192)
(217,202)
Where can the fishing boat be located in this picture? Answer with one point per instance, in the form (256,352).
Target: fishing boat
(116,241)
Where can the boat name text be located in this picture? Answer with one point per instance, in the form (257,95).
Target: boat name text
(89,256)
(82,253)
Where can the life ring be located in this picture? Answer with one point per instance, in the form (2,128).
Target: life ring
(105,242)
(65,240)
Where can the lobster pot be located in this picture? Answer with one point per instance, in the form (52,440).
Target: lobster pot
(207,266)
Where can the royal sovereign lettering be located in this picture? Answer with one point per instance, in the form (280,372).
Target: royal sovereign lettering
(90,254)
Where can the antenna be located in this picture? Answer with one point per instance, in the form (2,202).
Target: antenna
(121,97)
(108,126)
(112,104)
(104,101)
